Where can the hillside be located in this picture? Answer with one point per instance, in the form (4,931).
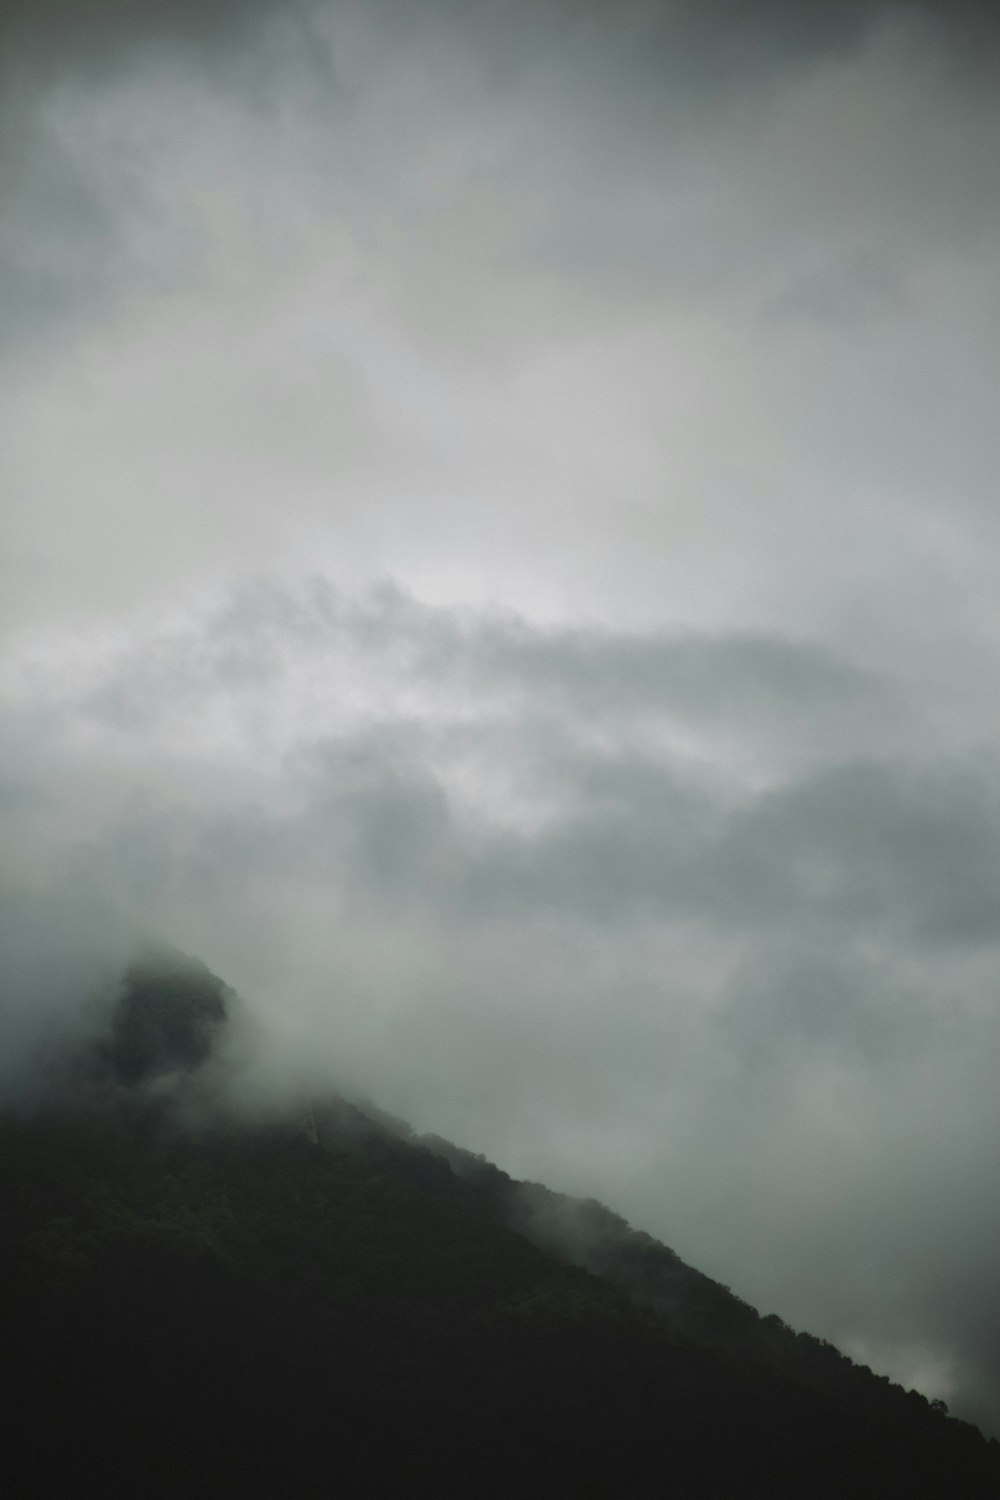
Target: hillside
(314,1302)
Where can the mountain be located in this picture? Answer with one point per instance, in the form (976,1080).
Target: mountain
(204,1302)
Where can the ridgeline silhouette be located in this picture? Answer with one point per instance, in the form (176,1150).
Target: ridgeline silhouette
(312,1301)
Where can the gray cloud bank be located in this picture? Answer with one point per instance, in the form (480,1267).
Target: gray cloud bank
(487,872)
(510,308)
(645,833)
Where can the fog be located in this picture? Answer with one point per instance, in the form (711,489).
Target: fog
(500,562)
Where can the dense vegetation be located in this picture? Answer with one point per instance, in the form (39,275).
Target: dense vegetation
(317,1304)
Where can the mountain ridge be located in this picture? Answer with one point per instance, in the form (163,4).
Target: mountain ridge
(209,1303)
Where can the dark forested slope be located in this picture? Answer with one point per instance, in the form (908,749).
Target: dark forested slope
(199,1305)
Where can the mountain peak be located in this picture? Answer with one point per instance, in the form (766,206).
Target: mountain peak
(168,1018)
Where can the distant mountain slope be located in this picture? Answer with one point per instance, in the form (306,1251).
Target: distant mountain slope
(194,1305)
(584,1233)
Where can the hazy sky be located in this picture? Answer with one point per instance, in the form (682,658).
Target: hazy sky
(501,558)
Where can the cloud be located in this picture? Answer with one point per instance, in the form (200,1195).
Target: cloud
(481,323)
(643,832)
(54,37)
(448,861)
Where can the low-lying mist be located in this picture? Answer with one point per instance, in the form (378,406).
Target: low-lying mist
(469,869)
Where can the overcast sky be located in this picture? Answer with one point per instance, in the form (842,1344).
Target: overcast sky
(501,558)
